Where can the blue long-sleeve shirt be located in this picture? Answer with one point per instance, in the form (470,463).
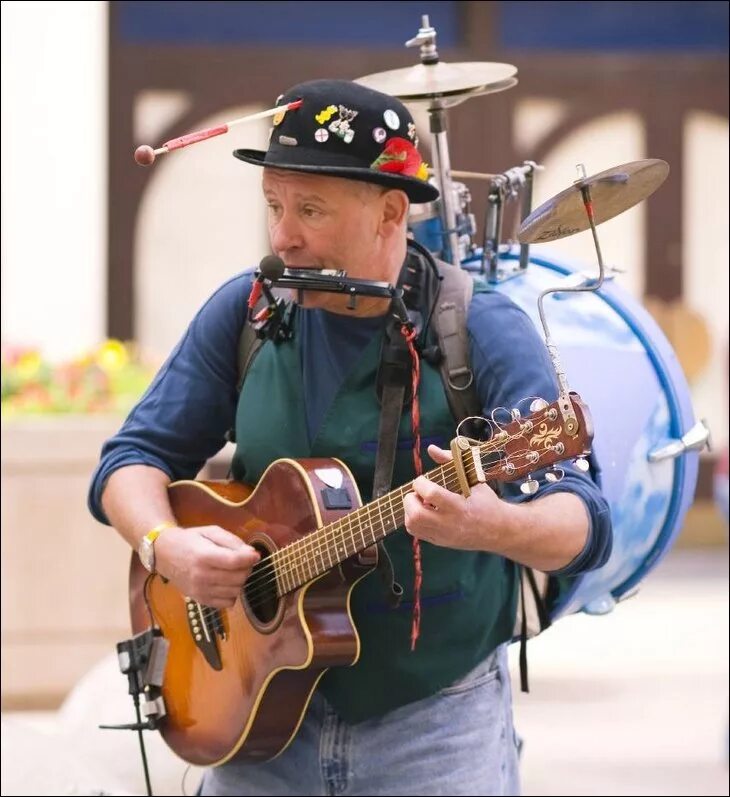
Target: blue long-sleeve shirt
(182,419)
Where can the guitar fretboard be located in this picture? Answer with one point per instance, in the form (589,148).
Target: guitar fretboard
(320,551)
(521,447)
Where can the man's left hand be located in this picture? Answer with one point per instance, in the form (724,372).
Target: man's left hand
(438,516)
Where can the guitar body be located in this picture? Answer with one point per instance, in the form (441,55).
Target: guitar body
(238,681)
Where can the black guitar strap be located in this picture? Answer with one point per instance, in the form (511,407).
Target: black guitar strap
(394,379)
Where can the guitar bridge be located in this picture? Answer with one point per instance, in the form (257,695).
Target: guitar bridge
(206,626)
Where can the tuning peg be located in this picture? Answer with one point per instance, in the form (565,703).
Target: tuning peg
(582,464)
(516,414)
(529,487)
(554,475)
(538,404)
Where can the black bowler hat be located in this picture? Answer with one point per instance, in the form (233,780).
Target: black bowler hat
(343,129)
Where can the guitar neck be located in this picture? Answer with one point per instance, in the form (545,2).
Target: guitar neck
(552,433)
(325,548)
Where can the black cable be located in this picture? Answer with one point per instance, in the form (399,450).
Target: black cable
(426,254)
(146,596)
(140,727)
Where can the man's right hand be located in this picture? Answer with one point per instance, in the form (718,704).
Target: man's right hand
(206,563)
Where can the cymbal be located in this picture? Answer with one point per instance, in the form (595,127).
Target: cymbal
(424,81)
(612,192)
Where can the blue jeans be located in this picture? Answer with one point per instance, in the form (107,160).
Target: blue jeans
(459,742)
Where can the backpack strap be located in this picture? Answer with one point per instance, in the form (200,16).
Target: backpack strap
(248,347)
(533,616)
(449,322)
(249,344)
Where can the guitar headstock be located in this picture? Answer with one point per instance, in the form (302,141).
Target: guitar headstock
(529,444)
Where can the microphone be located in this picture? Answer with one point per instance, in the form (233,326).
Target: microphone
(272,268)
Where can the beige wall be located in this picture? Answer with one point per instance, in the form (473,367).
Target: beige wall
(202,220)
(64,576)
(54,155)
(705,259)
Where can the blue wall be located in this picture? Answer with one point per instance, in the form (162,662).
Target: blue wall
(694,25)
(361,24)
(615,26)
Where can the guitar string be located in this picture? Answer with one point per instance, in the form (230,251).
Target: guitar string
(295,552)
(257,587)
(308,548)
(288,561)
(294,565)
(291,560)
(298,554)
(288,555)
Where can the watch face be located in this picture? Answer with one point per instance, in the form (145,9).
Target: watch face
(146,555)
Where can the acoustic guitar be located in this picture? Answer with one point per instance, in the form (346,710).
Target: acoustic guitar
(238,681)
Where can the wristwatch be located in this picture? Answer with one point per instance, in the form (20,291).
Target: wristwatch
(146,550)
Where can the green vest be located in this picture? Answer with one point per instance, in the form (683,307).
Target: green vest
(468,599)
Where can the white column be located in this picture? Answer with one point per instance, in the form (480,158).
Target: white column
(54,167)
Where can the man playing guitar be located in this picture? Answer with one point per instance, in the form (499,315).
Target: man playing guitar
(413,699)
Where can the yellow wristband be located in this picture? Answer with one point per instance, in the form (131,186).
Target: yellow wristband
(154,533)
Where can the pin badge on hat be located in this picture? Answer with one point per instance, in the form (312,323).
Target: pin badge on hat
(412,133)
(326,114)
(341,126)
(288,141)
(391,119)
(321,135)
(379,135)
(279,116)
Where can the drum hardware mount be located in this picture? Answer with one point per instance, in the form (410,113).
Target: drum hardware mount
(695,439)
(581,278)
(503,187)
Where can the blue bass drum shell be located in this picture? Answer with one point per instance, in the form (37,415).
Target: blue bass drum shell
(617,358)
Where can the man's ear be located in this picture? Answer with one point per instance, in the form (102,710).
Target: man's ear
(394,211)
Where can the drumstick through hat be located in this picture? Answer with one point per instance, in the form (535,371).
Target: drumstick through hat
(145,155)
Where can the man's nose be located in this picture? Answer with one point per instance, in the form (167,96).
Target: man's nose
(286,233)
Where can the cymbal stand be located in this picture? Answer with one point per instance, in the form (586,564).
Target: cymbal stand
(426,38)
(442,167)
(566,408)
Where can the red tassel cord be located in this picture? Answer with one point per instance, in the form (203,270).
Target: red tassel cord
(409,333)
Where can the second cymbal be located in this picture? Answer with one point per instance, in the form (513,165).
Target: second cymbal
(425,81)
(612,192)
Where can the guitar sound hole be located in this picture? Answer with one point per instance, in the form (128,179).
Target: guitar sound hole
(259,591)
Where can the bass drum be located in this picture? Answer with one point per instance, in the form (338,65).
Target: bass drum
(616,357)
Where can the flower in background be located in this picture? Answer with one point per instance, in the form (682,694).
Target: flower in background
(112,355)
(109,379)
